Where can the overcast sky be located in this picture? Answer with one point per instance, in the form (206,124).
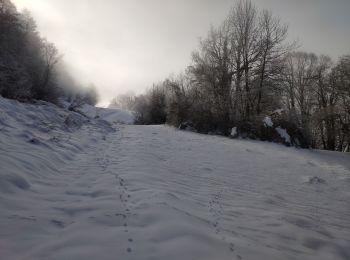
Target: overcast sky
(128,45)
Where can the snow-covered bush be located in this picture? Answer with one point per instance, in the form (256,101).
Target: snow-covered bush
(273,128)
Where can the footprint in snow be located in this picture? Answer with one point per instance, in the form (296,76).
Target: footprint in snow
(120,215)
(232,247)
(316,180)
(58,223)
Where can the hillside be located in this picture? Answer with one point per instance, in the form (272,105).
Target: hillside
(88,187)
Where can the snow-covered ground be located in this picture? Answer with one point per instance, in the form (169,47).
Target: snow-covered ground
(73,188)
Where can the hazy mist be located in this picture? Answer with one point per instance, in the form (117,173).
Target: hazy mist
(128,45)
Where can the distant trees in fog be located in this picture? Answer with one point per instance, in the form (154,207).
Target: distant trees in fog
(124,101)
(29,64)
(245,70)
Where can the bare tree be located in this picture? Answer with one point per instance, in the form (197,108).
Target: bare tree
(299,81)
(341,80)
(212,70)
(273,51)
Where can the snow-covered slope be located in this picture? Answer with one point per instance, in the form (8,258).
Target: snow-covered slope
(37,139)
(153,192)
(112,115)
(116,115)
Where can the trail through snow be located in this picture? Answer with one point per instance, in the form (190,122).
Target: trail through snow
(153,192)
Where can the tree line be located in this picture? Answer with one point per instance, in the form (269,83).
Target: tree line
(245,70)
(31,66)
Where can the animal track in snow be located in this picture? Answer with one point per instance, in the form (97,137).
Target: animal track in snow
(124,197)
(217,211)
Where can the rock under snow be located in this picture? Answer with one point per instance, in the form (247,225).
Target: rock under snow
(234,132)
(268,122)
(283,133)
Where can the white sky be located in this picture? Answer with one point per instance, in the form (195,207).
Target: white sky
(128,45)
